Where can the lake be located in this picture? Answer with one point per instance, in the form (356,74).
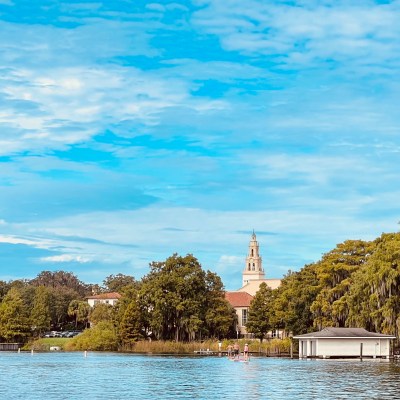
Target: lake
(58,375)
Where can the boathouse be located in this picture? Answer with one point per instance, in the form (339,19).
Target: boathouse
(344,343)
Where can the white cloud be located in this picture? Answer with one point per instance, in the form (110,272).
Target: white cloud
(62,258)
(76,103)
(361,33)
(124,236)
(18,240)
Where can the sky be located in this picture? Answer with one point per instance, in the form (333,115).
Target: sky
(131,130)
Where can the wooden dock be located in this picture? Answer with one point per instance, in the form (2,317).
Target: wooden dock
(10,346)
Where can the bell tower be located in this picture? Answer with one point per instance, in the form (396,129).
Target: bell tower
(253,269)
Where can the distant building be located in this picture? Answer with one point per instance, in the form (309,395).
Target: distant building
(240,301)
(344,343)
(252,277)
(105,298)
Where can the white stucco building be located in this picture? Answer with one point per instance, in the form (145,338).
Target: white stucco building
(106,298)
(344,343)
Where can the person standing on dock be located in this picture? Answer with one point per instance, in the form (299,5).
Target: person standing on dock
(236,349)
(246,352)
(230,350)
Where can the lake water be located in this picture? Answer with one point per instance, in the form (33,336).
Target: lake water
(48,376)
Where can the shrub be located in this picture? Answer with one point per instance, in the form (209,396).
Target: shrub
(102,337)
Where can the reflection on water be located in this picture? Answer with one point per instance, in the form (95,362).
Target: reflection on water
(125,376)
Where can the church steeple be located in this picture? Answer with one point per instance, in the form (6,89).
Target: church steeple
(253,269)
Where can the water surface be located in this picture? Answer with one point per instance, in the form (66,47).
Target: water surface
(48,376)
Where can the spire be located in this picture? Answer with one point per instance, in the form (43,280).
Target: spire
(253,269)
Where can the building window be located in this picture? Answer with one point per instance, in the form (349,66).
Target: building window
(254,267)
(244,317)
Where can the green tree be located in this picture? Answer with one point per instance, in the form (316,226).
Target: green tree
(101,312)
(171,293)
(132,326)
(175,297)
(80,310)
(14,317)
(116,283)
(4,288)
(293,300)
(61,299)
(334,273)
(220,316)
(374,298)
(261,312)
(62,279)
(41,311)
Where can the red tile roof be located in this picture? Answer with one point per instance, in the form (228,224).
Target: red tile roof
(111,295)
(238,299)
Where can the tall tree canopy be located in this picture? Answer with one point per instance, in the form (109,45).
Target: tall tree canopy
(14,317)
(116,283)
(176,296)
(261,312)
(374,297)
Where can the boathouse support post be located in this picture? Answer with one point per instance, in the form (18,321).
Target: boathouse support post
(291,349)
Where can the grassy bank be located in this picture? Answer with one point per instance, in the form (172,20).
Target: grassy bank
(271,347)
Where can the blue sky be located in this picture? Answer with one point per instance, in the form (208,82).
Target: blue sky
(131,130)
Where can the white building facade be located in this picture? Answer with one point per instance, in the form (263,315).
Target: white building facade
(105,298)
(344,343)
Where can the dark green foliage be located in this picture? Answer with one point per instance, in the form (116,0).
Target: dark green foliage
(355,285)
(40,315)
(62,279)
(80,310)
(101,312)
(132,326)
(374,298)
(14,317)
(116,283)
(261,313)
(334,274)
(293,300)
(176,298)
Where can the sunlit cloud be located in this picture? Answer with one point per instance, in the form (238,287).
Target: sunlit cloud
(63,258)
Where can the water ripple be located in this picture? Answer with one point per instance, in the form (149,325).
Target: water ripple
(126,376)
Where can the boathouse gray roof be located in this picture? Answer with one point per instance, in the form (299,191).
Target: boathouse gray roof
(343,333)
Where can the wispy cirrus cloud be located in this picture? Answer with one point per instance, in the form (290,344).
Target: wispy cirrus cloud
(132,131)
(305,34)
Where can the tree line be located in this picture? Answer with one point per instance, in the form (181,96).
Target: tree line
(357,284)
(177,300)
